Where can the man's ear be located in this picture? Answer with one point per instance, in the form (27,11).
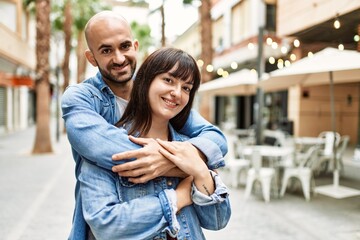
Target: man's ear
(90,57)
(136,44)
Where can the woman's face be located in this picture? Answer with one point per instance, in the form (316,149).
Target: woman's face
(168,96)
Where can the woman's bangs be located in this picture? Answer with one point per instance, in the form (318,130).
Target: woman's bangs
(184,70)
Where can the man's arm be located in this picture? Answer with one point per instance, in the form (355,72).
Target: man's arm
(90,135)
(207,138)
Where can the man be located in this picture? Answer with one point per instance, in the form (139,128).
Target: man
(91,109)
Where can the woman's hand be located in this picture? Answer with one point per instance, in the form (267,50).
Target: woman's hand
(185,156)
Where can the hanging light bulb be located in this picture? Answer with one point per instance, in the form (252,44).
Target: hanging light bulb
(337,24)
(341,47)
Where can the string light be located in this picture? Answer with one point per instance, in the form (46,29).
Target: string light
(225,74)
(356,38)
(269,41)
(251,46)
(274,45)
(296,43)
(209,68)
(341,47)
(284,50)
(287,63)
(292,57)
(220,71)
(234,65)
(200,63)
(310,54)
(271,60)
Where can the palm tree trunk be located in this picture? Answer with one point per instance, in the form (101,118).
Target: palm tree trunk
(42,139)
(206,52)
(163,37)
(81,60)
(67,31)
(206,38)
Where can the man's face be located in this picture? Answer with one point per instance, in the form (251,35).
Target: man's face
(113,51)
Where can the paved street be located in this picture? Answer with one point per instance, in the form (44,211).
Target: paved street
(36,202)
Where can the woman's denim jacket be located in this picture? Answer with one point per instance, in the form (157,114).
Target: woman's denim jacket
(90,112)
(115,208)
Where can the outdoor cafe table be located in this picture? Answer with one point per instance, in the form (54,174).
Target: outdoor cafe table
(309,140)
(306,142)
(273,154)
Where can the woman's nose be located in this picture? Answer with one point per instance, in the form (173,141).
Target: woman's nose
(176,91)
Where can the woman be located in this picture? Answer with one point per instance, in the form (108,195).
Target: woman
(166,207)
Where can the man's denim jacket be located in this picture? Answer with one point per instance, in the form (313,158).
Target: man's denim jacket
(116,209)
(90,112)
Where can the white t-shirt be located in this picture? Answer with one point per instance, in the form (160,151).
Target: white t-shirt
(121,103)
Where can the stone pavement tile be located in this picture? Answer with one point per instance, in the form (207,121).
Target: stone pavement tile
(291,217)
(37,195)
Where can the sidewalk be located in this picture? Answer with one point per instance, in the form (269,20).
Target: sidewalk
(36,202)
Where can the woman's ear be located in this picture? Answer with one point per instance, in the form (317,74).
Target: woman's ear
(90,57)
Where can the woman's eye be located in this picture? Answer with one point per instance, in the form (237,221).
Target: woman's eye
(187,89)
(168,80)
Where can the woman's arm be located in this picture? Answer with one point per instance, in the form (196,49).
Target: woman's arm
(113,211)
(209,193)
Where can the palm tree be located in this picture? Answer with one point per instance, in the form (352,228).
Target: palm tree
(206,49)
(68,20)
(83,10)
(205,36)
(42,86)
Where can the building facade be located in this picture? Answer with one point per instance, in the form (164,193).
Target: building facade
(291,30)
(17,64)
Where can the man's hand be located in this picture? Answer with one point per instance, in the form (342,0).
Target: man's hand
(148,165)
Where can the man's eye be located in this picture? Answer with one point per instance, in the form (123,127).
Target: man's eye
(125,46)
(105,51)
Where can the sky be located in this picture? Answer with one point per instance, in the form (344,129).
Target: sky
(177,18)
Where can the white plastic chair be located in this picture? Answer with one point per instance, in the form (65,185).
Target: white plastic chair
(326,155)
(340,150)
(303,171)
(258,173)
(329,142)
(235,165)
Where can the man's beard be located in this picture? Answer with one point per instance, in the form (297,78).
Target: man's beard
(114,79)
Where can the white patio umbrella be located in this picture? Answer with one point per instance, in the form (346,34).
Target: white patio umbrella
(328,66)
(242,82)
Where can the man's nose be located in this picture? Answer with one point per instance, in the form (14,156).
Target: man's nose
(119,57)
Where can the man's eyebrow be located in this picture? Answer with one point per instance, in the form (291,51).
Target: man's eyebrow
(103,46)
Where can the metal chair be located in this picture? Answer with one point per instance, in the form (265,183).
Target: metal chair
(326,155)
(235,165)
(303,171)
(259,173)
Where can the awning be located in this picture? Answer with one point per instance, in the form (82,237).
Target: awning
(242,82)
(15,80)
(310,71)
